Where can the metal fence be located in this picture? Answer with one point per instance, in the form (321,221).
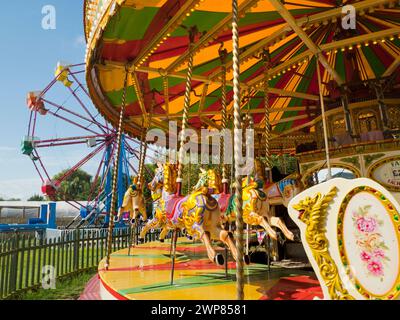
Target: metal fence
(23,257)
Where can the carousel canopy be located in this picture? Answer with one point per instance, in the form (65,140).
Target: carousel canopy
(149,39)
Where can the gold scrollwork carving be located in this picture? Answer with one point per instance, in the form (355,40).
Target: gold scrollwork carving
(313,213)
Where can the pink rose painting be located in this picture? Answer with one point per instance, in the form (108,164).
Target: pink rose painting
(365,256)
(366,225)
(379,253)
(369,241)
(375,267)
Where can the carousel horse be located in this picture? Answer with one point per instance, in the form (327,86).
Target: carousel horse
(282,191)
(133,203)
(158,194)
(198,214)
(256,208)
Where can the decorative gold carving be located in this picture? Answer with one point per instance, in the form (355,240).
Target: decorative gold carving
(214,181)
(170,175)
(313,214)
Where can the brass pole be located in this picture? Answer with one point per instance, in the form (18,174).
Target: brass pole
(185,118)
(238,151)
(223,53)
(267,64)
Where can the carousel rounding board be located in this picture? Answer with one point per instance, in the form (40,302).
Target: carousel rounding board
(350,230)
(387,172)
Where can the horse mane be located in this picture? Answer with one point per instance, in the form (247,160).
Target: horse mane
(170,175)
(214,181)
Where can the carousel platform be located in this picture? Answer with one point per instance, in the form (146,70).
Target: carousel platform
(145,275)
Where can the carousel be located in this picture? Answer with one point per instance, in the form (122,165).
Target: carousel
(308,94)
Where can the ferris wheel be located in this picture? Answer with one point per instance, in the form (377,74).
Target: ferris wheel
(86,136)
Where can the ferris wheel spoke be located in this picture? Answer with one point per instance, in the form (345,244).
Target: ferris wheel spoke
(81,163)
(38,158)
(38,171)
(85,108)
(48,87)
(80,84)
(63,108)
(34,123)
(30,122)
(71,122)
(59,142)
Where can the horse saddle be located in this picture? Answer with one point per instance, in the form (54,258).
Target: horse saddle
(223,201)
(172,205)
(273,191)
(202,197)
(260,194)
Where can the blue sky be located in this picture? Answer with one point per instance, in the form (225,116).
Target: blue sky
(28,57)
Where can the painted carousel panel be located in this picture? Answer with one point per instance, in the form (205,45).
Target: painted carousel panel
(351,234)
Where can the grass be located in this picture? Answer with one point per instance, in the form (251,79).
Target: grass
(67,289)
(88,257)
(29,267)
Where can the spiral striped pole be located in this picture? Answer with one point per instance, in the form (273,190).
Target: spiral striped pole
(238,151)
(115,174)
(144,146)
(225,180)
(185,117)
(142,137)
(267,63)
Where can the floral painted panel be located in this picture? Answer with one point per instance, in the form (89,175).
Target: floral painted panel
(369,243)
(372,248)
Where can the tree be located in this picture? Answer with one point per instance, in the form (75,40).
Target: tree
(76,187)
(37,197)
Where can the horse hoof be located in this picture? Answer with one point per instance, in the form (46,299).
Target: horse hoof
(162,240)
(219,259)
(246,259)
(141,240)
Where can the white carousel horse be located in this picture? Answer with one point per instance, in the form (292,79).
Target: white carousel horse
(350,230)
